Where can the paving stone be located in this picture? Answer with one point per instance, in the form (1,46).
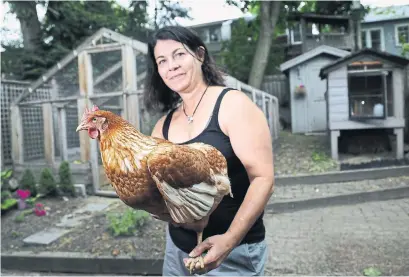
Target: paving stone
(340,240)
(46,236)
(81,214)
(302,192)
(93,207)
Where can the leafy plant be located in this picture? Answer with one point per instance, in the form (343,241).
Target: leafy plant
(372,271)
(48,185)
(128,223)
(66,183)
(10,202)
(20,217)
(5,177)
(28,182)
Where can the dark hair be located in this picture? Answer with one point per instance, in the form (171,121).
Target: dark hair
(157,93)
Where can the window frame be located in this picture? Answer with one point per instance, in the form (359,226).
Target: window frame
(383,73)
(368,37)
(397,43)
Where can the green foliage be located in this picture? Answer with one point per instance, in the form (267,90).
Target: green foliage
(238,53)
(8,203)
(5,176)
(48,185)
(28,182)
(21,216)
(67,24)
(372,271)
(128,223)
(66,183)
(321,162)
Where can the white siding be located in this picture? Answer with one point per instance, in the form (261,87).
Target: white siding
(338,103)
(304,111)
(338,95)
(398,93)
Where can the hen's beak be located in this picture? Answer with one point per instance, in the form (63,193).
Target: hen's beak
(82,126)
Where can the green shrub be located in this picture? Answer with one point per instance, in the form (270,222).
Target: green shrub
(47,183)
(127,223)
(28,182)
(66,183)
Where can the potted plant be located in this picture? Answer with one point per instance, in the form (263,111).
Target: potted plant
(300,91)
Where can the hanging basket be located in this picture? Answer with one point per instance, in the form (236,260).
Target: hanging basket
(300,91)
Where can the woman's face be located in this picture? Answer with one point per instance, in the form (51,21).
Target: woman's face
(177,65)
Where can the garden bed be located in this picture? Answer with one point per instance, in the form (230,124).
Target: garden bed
(94,236)
(296,154)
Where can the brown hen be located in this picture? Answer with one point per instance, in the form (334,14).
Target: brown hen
(180,184)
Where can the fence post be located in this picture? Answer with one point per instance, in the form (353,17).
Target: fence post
(129,76)
(16,135)
(63,133)
(89,147)
(48,124)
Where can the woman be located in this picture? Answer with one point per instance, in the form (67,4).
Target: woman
(184,81)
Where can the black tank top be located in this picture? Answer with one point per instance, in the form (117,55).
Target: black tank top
(221,218)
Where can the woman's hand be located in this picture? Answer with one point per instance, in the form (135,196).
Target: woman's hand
(218,248)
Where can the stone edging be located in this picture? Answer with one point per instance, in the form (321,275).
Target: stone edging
(344,176)
(75,262)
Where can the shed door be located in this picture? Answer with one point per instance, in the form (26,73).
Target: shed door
(317,106)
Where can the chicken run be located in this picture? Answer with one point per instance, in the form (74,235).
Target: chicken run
(107,70)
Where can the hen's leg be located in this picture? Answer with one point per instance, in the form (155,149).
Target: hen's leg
(191,263)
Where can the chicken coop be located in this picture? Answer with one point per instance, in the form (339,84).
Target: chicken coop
(365,91)
(108,70)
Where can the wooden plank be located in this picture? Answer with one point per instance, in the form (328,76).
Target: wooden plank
(85,86)
(16,135)
(131,102)
(358,63)
(61,64)
(103,48)
(63,133)
(48,127)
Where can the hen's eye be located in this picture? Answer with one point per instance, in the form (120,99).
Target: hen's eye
(94,119)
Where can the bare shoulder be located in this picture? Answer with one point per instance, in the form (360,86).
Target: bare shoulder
(157,129)
(235,105)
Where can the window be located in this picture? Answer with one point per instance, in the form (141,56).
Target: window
(370,95)
(294,34)
(214,34)
(204,35)
(401,34)
(373,38)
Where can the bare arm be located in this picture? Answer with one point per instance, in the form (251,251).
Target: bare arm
(249,133)
(250,136)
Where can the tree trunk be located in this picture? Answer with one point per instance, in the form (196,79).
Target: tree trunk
(26,13)
(269,12)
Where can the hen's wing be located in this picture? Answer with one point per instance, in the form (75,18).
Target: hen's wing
(184,178)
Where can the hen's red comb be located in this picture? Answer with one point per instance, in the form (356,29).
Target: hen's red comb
(87,111)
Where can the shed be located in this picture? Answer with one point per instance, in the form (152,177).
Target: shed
(307,90)
(366,91)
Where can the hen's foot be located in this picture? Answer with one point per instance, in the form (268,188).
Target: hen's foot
(195,264)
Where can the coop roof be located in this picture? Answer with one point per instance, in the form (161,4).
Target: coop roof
(89,43)
(365,51)
(323,49)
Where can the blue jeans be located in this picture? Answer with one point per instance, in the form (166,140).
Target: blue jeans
(244,260)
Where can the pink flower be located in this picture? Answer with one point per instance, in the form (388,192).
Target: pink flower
(39,212)
(23,194)
(39,209)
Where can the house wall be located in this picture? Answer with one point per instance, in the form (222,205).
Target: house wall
(338,103)
(304,111)
(388,31)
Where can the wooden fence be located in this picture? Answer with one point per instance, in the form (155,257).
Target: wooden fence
(278,86)
(33,120)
